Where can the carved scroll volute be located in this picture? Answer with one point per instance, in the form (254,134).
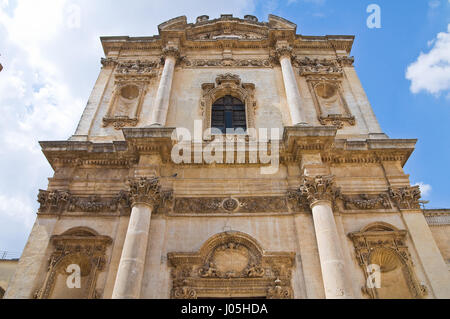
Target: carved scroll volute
(319,188)
(145,190)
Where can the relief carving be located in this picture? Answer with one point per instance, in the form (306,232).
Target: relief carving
(383,245)
(316,189)
(148,190)
(212,205)
(63,201)
(80,246)
(406,197)
(364,201)
(230,264)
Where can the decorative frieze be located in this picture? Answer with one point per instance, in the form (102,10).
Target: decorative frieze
(251,62)
(63,201)
(406,197)
(366,202)
(217,205)
(308,66)
(136,67)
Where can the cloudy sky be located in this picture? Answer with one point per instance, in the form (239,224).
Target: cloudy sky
(50,51)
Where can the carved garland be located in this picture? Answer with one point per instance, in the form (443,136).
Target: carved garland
(231,264)
(378,239)
(228,84)
(81,246)
(211,205)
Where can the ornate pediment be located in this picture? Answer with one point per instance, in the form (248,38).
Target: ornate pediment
(231,264)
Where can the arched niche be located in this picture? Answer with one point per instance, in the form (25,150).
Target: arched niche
(79,248)
(231,264)
(382,247)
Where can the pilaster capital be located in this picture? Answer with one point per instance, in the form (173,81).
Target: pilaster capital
(319,188)
(406,197)
(145,190)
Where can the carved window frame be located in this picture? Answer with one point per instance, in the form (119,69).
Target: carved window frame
(382,236)
(71,247)
(268,274)
(227,84)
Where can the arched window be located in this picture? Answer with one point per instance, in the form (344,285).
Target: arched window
(228,113)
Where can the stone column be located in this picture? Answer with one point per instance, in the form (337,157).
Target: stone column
(162,100)
(145,194)
(290,83)
(321,194)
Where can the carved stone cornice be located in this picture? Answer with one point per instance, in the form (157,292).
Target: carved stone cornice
(319,188)
(406,197)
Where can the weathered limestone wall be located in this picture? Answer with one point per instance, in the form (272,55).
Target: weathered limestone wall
(7,270)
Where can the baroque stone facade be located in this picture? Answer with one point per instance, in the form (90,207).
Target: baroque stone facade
(141,225)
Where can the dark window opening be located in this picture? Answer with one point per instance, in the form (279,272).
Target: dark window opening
(228,113)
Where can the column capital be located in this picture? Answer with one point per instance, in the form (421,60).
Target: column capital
(170,51)
(319,188)
(145,190)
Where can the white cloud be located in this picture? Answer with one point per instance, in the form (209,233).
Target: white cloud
(50,65)
(425,189)
(431,71)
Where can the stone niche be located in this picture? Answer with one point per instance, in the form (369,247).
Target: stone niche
(84,248)
(231,264)
(131,83)
(324,78)
(384,246)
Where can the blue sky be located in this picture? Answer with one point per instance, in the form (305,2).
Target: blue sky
(50,51)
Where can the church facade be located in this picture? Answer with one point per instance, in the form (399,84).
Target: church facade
(231,158)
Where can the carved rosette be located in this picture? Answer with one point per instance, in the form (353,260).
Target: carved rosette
(145,190)
(184,293)
(319,188)
(406,197)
